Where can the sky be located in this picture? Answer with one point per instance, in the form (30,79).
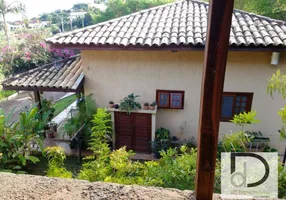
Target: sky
(36,7)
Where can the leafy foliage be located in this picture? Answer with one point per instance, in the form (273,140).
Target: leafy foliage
(118,8)
(6,93)
(271,8)
(28,51)
(236,142)
(86,110)
(47,108)
(281,181)
(176,169)
(128,103)
(244,118)
(13,7)
(97,168)
(277,83)
(18,140)
(56,157)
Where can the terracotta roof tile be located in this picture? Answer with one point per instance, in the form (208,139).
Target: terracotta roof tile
(49,76)
(183,23)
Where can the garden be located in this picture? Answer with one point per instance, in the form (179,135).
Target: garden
(23,152)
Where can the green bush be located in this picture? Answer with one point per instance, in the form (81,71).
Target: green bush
(56,157)
(6,93)
(97,168)
(176,168)
(17,140)
(84,116)
(281,181)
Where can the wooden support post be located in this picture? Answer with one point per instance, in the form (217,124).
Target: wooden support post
(284,159)
(38,99)
(219,23)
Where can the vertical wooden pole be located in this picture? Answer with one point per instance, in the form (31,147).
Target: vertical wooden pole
(38,99)
(219,23)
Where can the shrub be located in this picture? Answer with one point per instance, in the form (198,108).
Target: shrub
(56,157)
(162,141)
(18,139)
(28,51)
(84,116)
(176,168)
(97,168)
(281,181)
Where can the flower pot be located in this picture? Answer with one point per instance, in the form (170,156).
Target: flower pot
(116,106)
(152,107)
(145,107)
(111,105)
(50,134)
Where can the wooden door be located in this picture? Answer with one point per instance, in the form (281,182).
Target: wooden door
(133,131)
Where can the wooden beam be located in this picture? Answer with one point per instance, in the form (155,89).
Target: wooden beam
(38,99)
(219,23)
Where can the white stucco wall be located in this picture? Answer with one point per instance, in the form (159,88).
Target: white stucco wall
(112,75)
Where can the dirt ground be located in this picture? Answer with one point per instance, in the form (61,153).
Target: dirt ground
(25,99)
(26,187)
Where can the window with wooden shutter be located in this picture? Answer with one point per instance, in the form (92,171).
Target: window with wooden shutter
(235,103)
(171,99)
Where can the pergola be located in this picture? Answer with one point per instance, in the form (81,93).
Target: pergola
(61,76)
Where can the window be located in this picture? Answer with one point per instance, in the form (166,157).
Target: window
(171,99)
(235,103)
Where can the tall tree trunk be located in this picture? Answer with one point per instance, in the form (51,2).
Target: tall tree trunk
(5,29)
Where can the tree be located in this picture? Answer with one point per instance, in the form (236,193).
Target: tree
(80,6)
(10,8)
(277,83)
(270,8)
(45,17)
(118,8)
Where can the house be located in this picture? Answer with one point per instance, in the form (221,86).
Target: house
(158,54)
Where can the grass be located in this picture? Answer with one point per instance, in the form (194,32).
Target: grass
(60,105)
(6,93)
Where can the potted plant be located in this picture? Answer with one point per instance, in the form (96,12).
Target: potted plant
(129,103)
(116,106)
(146,106)
(152,106)
(111,104)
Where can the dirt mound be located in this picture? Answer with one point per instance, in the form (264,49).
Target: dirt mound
(26,187)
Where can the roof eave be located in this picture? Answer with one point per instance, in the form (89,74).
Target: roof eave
(165,48)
